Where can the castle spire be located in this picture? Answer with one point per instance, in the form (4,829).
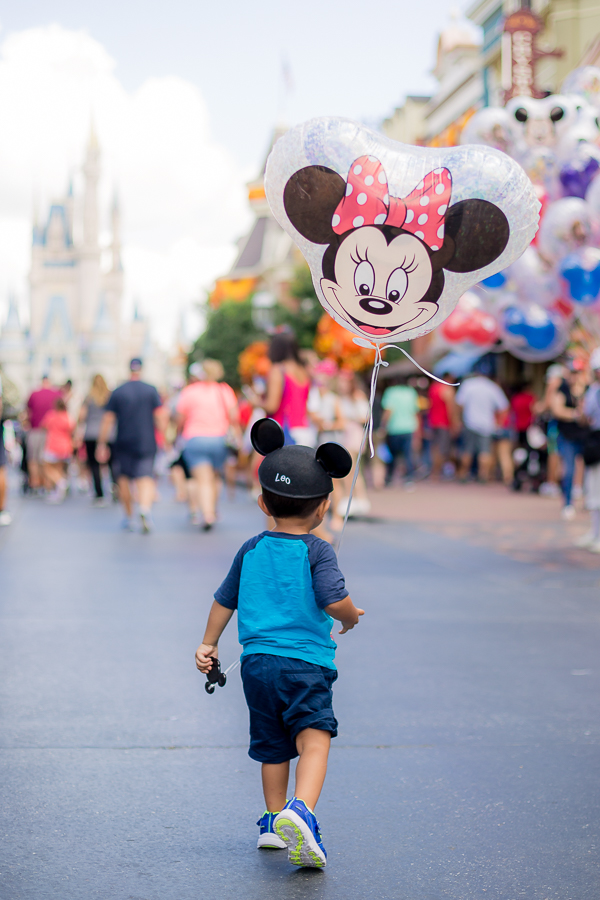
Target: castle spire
(91,174)
(117,266)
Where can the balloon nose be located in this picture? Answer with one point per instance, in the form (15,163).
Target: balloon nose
(377,307)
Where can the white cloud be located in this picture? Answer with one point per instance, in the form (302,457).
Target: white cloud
(182,195)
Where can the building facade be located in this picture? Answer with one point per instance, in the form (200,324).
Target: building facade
(76,299)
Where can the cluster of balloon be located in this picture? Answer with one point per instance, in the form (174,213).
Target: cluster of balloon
(470,326)
(557,142)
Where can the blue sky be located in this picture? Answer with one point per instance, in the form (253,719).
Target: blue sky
(352,58)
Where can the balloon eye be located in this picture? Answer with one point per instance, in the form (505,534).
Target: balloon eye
(364,278)
(557,114)
(521,114)
(397,285)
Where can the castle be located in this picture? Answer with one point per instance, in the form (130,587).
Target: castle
(75,300)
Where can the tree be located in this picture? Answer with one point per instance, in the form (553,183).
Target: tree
(229,330)
(303,322)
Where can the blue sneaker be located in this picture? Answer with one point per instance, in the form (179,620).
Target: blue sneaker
(297,825)
(267,837)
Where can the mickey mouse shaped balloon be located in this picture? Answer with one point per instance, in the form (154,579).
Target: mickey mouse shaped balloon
(395,234)
(294,471)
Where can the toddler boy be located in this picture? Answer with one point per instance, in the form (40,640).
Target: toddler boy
(287,587)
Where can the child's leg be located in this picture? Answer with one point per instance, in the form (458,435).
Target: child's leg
(313,747)
(275,777)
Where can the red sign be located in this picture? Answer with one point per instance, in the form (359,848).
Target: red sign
(520,54)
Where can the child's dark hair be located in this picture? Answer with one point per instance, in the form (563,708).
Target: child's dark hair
(290,507)
(60,405)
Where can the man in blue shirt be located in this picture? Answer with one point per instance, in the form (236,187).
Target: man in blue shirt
(287,589)
(132,408)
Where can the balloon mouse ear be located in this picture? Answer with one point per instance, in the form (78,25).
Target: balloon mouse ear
(335,459)
(266,436)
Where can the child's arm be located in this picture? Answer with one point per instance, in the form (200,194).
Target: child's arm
(218,618)
(345,612)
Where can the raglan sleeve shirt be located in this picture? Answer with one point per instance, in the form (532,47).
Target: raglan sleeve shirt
(327,580)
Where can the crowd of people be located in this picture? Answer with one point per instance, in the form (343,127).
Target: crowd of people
(116,442)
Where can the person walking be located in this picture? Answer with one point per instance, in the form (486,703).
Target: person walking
(90,416)
(354,405)
(58,449)
(400,403)
(5,516)
(286,587)
(567,408)
(39,403)
(591,410)
(288,386)
(131,408)
(207,410)
(481,402)
(444,422)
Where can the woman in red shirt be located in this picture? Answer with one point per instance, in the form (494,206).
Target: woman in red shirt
(59,448)
(443,422)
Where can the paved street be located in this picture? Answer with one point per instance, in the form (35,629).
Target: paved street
(468,757)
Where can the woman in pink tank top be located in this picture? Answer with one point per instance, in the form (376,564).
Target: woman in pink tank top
(287,390)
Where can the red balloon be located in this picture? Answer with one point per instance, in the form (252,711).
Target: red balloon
(473,325)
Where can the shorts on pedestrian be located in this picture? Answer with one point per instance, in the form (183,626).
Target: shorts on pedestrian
(199,450)
(36,442)
(125,465)
(2,448)
(475,443)
(53,458)
(284,697)
(440,439)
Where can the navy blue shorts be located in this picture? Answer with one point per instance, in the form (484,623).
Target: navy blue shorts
(124,464)
(284,696)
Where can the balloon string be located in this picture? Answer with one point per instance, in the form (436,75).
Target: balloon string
(368,429)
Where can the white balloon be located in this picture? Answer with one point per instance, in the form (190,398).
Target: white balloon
(566,226)
(423,224)
(493,127)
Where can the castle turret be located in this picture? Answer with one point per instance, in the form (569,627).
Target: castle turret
(14,350)
(90,250)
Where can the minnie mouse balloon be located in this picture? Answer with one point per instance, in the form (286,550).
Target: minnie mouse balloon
(394,234)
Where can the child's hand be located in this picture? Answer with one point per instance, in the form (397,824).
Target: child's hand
(203,657)
(348,625)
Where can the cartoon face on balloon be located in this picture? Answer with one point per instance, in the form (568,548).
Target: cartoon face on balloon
(383,269)
(393,233)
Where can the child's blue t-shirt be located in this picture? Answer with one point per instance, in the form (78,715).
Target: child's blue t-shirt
(280,583)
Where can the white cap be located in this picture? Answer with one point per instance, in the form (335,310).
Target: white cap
(595,359)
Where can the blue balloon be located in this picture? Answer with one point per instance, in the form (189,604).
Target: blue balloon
(495,281)
(538,334)
(584,284)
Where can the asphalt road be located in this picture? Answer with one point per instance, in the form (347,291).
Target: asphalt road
(467,764)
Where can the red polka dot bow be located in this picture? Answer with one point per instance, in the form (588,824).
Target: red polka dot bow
(367,202)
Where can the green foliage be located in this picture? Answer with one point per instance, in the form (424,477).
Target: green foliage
(229,330)
(304,322)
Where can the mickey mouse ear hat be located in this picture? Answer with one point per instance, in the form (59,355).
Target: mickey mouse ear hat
(297,472)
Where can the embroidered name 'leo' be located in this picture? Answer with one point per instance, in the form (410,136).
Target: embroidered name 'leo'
(283,478)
